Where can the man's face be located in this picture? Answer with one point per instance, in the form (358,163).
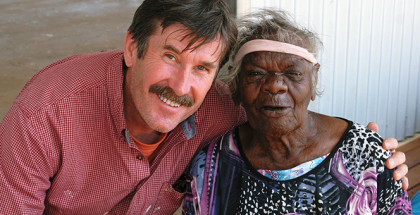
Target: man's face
(169,84)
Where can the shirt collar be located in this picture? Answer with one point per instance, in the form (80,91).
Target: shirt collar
(114,81)
(188,126)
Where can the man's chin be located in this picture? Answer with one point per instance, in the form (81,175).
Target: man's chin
(164,130)
(166,124)
(164,127)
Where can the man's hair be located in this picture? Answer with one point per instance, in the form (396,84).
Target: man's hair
(206,19)
(277,25)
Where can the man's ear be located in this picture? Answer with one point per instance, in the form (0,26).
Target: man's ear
(130,50)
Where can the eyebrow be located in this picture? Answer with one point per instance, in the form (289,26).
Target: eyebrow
(171,48)
(210,65)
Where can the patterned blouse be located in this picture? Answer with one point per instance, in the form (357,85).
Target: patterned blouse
(351,179)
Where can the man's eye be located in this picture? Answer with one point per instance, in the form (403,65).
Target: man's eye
(170,56)
(201,68)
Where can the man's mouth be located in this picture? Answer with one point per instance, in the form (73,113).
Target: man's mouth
(167,95)
(168,102)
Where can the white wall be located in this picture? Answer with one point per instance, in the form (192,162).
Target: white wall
(370,62)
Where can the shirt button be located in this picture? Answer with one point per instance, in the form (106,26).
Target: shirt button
(139,157)
(168,189)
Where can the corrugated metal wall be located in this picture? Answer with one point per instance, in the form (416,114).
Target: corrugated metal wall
(370,62)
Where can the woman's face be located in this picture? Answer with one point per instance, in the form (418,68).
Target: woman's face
(275,89)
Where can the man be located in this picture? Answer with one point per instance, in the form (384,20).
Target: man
(112,132)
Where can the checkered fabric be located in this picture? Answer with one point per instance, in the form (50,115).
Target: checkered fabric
(63,148)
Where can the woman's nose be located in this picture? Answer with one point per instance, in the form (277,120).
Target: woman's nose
(275,84)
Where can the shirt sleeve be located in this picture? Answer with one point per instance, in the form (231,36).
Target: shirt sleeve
(392,199)
(24,168)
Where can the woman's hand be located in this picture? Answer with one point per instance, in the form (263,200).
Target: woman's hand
(396,160)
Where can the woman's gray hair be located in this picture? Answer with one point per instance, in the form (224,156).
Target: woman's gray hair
(277,25)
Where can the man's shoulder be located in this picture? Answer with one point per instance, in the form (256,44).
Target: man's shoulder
(67,77)
(219,104)
(218,113)
(219,96)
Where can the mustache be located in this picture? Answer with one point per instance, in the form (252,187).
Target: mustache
(169,93)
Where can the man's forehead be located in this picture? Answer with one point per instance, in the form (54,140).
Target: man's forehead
(176,31)
(183,35)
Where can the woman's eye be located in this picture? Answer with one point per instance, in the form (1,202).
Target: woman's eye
(296,74)
(255,73)
(253,76)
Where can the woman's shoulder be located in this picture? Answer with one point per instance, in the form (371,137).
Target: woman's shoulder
(199,160)
(361,135)
(363,147)
(351,134)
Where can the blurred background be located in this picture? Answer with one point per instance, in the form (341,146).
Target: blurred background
(370,61)
(369,64)
(34,34)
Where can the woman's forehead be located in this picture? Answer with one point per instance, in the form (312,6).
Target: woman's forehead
(264,57)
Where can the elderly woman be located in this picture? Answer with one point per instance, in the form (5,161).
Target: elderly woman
(286,159)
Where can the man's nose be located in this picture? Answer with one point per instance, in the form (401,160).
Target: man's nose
(180,81)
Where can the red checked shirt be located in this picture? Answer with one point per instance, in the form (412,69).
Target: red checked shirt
(64,148)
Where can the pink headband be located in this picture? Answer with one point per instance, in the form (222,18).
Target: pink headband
(273,46)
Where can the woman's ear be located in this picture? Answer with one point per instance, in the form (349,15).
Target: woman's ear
(313,95)
(314,80)
(236,98)
(236,95)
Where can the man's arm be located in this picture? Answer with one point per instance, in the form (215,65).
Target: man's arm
(396,160)
(24,172)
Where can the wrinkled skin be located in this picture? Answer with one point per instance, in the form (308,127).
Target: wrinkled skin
(276,89)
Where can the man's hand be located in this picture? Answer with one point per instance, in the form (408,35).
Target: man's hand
(396,160)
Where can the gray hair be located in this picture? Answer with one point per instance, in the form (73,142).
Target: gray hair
(277,25)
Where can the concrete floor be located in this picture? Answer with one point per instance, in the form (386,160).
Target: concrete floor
(34,34)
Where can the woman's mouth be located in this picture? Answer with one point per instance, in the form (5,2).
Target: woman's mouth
(268,108)
(274,111)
